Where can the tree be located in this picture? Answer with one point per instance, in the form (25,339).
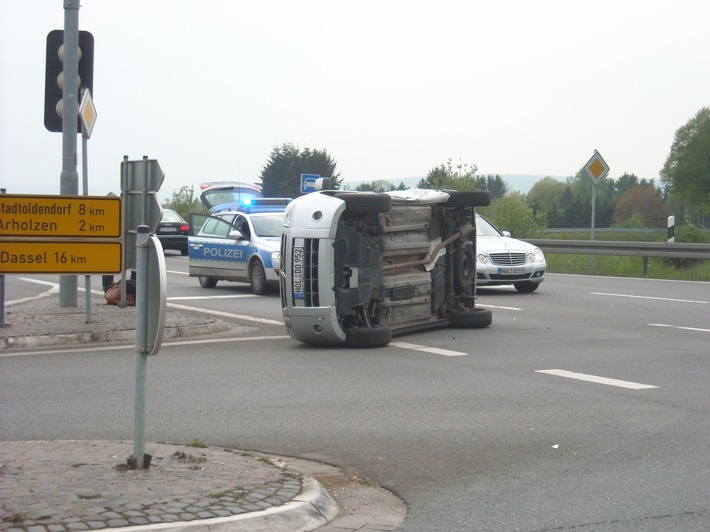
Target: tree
(184,202)
(644,201)
(547,195)
(380,185)
(686,171)
(512,213)
(463,177)
(445,177)
(281,177)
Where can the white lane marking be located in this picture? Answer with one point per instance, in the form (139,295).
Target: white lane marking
(434,350)
(679,327)
(54,288)
(226,314)
(650,297)
(186,298)
(595,379)
(65,349)
(498,307)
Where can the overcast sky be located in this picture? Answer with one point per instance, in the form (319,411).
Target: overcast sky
(390,89)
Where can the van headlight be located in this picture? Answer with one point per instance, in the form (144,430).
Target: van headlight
(276,260)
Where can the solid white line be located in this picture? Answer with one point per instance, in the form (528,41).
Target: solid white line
(187,298)
(225,314)
(498,307)
(678,327)
(649,297)
(595,379)
(97,348)
(434,350)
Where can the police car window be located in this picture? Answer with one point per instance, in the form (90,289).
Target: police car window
(268,225)
(216,227)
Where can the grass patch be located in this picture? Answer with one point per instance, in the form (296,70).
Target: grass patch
(658,268)
(197,443)
(625,267)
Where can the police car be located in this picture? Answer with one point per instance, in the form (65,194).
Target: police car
(240,245)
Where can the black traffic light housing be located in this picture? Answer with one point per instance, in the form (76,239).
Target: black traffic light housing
(54,67)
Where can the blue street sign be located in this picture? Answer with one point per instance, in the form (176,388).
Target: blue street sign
(308,183)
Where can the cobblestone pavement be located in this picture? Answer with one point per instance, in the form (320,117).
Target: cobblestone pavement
(87,485)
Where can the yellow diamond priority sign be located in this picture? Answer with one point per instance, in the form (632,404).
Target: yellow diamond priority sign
(87,113)
(596,168)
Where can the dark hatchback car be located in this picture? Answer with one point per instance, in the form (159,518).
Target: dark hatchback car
(172,231)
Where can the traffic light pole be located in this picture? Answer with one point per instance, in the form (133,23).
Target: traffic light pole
(69,180)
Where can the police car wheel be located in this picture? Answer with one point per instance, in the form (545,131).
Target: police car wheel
(207,282)
(257,278)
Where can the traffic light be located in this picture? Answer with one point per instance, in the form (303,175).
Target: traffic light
(54,74)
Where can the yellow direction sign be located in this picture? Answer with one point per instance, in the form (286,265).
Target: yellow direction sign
(51,256)
(60,216)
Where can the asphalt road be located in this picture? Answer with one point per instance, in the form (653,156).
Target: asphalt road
(584,406)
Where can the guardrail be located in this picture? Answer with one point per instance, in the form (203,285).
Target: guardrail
(644,250)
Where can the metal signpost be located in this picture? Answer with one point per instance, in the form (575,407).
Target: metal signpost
(597,169)
(151,285)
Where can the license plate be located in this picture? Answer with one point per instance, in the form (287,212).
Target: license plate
(168,229)
(297,273)
(511,271)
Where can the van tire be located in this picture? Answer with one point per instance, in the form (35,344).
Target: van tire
(464,266)
(468,198)
(476,318)
(374,337)
(366,203)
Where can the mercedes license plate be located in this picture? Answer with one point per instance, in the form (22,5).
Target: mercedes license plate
(511,271)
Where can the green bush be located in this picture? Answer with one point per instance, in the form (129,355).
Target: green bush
(689,234)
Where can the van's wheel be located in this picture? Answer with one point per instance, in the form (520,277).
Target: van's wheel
(476,318)
(526,287)
(366,203)
(257,278)
(375,337)
(207,282)
(464,266)
(468,198)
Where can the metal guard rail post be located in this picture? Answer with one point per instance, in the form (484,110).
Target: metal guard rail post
(644,250)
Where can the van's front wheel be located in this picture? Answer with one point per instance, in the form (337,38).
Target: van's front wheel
(374,337)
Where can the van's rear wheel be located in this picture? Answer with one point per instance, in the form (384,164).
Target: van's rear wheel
(468,198)
(375,337)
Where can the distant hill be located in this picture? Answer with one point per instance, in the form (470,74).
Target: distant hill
(515,182)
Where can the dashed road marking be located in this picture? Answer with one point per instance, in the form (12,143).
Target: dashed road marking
(679,327)
(434,350)
(595,379)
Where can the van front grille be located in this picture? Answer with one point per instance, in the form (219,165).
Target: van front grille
(304,272)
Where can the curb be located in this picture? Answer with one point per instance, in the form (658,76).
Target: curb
(309,510)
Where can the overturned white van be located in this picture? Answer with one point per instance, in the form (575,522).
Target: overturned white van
(360,267)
